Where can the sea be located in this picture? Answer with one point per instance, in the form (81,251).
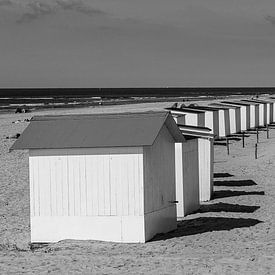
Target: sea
(12,100)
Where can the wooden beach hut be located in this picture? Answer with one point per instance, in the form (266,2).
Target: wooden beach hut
(263,111)
(234,116)
(107,177)
(269,108)
(223,119)
(205,162)
(211,119)
(254,112)
(193,116)
(245,114)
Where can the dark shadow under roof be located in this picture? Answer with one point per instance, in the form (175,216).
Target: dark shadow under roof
(100,130)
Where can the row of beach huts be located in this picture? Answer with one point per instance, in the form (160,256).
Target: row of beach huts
(127,177)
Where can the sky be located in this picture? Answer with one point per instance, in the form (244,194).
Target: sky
(137,43)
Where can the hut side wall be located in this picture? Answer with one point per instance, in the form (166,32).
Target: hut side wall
(252,116)
(221,123)
(243,118)
(206,155)
(227,122)
(187,177)
(209,121)
(262,118)
(238,119)
(191,119)
(159,185)
(232,120)
(87,194)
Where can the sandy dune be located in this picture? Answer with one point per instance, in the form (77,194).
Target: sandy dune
(232,234)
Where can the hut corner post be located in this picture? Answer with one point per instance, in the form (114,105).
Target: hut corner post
(243,138)
(257,135)
(256,151)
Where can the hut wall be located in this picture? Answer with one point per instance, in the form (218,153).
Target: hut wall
(262,117)
(227,122)
(159,185)
(232,120)
(222,123)
(209,121)
(87,194)
(238,119)
(243,118)
(187,177)
(206,160)
(268,113)
(191,119)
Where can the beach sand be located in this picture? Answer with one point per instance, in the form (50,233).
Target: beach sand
(232,234)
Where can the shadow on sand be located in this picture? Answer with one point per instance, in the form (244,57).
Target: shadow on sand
(228,193)
(235,183)
(227,207)
(222,175)
(206,224)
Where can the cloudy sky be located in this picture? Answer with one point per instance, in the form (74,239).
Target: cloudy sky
(137,43)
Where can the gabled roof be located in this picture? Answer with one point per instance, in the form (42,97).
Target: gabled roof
(100,130)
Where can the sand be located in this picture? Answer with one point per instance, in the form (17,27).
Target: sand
(232,234)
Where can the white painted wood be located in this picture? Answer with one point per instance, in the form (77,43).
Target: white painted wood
(127,229)
(187,177)
(262,118)
(232,121)
(268,113)
(206,155)
(159,182)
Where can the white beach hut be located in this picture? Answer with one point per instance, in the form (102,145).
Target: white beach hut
(234,116)
(205,159)
(223,119)
(262,111)
(245,114)
(254,112)
(211,119)
(192,116)
(104,177)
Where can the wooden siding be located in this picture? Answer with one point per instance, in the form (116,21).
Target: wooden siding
(159,173)
(187,177)
(206,162)
(87,182)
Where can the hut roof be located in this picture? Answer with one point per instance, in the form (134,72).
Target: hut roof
(101,130)
(224,106)
(186,110)
(195,132)
(258,101)
(235,103)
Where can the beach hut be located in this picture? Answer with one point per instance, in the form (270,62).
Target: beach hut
(254,112)
(263,111)
(193,117)
(234,116)
(223,119)
(206,162)
(211,116)
(107,177)
(269,108)
(245,114)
